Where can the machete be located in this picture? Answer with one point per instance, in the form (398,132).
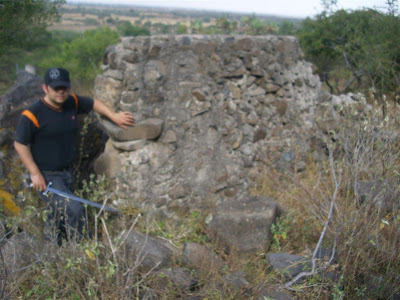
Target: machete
(75,198)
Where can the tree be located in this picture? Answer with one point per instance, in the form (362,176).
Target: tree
(287,28)
(255,26)
(196,26)
(393,6)
(125,28)
(361,47)
(329,5)
(83,55)
(181,28)
(225,26)
(23,22)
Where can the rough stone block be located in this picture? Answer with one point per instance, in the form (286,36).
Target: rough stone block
(244,224)
(145,130)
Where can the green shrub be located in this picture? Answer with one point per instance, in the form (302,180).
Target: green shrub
(83,55)
(125,28)
(364,42)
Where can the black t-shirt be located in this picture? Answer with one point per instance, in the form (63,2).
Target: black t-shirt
(50,133)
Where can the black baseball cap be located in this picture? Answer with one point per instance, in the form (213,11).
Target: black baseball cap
(57,77)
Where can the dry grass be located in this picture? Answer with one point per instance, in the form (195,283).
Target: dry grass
(366,233)
(367,237)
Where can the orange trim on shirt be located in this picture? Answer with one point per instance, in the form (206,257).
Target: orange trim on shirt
(76,100)
(50,106)
(31,117)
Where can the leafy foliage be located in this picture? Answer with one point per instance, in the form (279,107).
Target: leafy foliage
(255,26)
(125,28)
(82,56)
(23,28)
(363,43)
(23,22)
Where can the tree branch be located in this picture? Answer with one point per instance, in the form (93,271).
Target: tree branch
(314,269)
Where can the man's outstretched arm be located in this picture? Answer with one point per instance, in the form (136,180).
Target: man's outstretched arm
(25,154)
(122,119)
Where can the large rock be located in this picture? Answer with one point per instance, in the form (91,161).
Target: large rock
(244,224)
(144,130)
(288,264)
(108,163)
(197,256)
(27,89)
(108,90)
(150,252)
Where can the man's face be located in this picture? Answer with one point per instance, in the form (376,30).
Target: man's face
(57,95)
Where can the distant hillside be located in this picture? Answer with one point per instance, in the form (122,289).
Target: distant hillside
(83,16)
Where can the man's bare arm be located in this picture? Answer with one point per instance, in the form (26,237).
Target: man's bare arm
(25,154)
(122,119)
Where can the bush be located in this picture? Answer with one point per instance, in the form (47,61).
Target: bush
(125,28)
(363,42)
(83,55)
(91,22)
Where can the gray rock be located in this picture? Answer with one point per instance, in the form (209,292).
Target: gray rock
(197,256)
(169,137)
(272,292)
(26,89)
(149,251)
(181,278)
(108,90)
(236,281)
(288,264)
(109,162)
(145,130)
(244,223)
(6,137)
(129,145)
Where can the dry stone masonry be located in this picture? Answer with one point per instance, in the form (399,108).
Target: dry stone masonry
(212,112)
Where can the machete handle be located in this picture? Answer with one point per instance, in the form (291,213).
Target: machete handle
(47,188)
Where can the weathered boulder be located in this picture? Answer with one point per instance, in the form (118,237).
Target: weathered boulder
(197,256)
(108,89)
(275,292)
(244,223)
(108,163)
(27,89)
(150,252)
(289,265)
(144,130)
(180,278)
(236,281)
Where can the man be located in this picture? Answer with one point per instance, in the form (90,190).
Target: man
(46,139)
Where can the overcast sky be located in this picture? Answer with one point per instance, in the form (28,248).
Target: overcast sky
(294,8)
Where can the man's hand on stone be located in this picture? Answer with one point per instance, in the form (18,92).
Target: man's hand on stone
(124,119)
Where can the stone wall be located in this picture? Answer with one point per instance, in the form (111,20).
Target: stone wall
(220,109)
